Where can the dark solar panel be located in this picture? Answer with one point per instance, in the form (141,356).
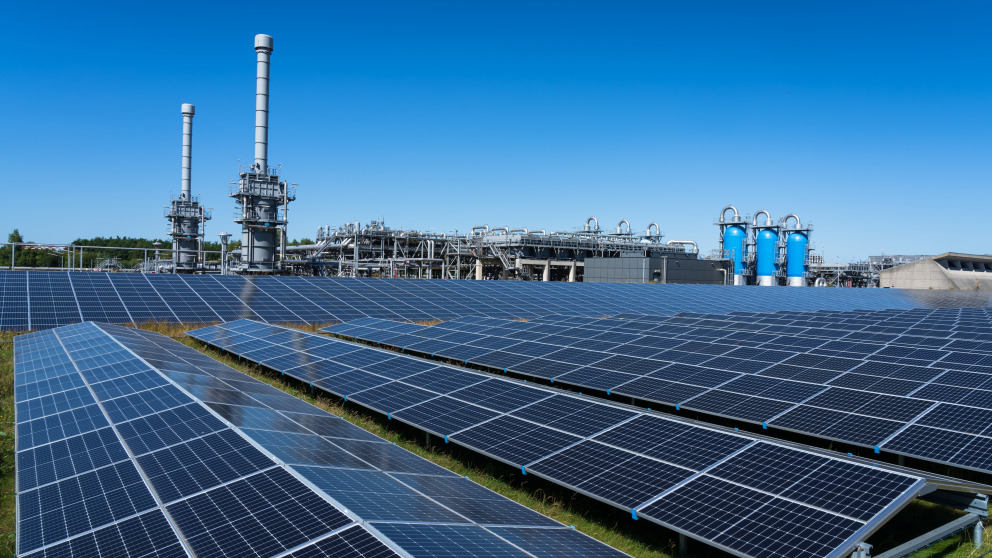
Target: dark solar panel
(780,381)
(634,460)
(129,459)
(44,299)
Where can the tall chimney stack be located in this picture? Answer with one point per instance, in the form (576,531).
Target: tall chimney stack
(260,193)
(263,46)
(188,112)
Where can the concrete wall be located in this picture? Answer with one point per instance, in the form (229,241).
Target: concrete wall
(929,274)
(684,269)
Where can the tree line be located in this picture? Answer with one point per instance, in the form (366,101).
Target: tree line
(97,249)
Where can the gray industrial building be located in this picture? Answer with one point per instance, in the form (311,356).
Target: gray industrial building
(950,271)
(673,268)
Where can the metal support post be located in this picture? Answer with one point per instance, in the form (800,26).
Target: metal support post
(976,534)
(863,550)
(683,545)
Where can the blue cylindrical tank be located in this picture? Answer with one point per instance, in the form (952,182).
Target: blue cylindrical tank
(765,252)
(795,254)
(733,243)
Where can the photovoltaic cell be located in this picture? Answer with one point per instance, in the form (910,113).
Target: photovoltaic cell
(638,460)
(203,486)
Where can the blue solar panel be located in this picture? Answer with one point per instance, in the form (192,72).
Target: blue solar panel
(800,378)
(624,457)
(43,299)
(166,474)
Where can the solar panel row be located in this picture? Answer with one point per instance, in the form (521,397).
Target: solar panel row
(129,443)
(736,492)
(43,299)
(864,392)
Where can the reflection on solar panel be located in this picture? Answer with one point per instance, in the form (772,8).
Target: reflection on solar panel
(824,374)
(60,298)
(129,443)
(664,469)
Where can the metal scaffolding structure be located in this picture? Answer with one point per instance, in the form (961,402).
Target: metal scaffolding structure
(864,273)
(484,253)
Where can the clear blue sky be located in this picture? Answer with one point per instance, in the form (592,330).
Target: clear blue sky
(872,120)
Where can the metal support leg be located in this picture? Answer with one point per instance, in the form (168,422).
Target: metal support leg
(976,534)
(683,544)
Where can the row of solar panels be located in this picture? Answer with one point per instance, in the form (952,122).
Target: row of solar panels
(743,494)
(950,328)
(924,403)
(40,299)
(131,444)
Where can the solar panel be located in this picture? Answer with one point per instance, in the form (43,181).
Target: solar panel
(43,299)
(129,443)
(779,382)
(634,460)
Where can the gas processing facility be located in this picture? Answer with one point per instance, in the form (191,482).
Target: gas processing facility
(665,394)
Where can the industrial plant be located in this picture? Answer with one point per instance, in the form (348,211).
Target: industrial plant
(752,249)
(767,253)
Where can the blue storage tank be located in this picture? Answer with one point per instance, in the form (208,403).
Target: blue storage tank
(766,239)
(733,243)
(795,254)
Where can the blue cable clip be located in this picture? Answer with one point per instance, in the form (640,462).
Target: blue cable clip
(849,454)
(346,398)
(388,417)
(607,392)
(572,526)
(523,469)
(445,439)
(677,408)
(764,426)
(633,513)
(877,450)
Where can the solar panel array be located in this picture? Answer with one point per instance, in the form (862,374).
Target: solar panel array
(129,443)
(42,299)
(739,493)
(915,383)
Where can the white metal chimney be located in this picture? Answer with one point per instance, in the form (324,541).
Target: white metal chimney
(188,112)
(263,46)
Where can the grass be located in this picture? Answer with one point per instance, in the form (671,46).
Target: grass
(638,538)
(8,508)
